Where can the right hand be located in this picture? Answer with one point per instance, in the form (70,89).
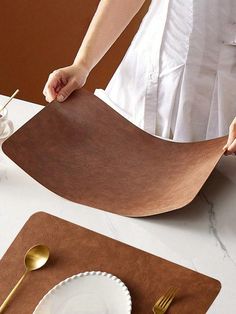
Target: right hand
(62,82)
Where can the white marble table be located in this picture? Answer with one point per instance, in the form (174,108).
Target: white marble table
(201,236)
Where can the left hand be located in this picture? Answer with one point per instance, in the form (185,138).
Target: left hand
(230,147)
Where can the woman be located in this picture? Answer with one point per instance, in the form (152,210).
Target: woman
(178,77)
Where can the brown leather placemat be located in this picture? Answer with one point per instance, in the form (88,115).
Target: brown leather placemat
(75,249)
(86,152)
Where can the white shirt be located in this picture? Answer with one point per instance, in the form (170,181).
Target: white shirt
(177,80)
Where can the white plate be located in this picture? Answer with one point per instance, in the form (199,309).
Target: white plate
(87,293)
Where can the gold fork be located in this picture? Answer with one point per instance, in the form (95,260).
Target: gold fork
(164,301)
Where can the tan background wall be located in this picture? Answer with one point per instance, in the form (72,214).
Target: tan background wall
(38,36)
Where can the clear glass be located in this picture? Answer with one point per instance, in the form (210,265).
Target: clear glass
(6,126)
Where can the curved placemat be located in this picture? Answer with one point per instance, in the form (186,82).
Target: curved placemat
(85,151)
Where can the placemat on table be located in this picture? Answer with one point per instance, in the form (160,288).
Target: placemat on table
(86,152)
(75,249)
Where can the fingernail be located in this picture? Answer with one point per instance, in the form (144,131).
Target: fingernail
(60,98)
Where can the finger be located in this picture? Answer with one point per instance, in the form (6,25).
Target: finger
(232,147)
(232,133)
(49,91)
(224,148)
(51,86)
(61,84)
(49,80)
(67,90)
(58,88)
(50,94)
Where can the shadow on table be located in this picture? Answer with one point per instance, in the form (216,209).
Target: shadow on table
(215,202)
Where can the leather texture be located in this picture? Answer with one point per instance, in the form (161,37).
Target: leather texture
(75,249)
(86,152)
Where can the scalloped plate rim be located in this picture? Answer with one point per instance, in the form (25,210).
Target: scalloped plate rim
(84,274)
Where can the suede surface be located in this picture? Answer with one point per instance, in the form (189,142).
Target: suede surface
(86,152)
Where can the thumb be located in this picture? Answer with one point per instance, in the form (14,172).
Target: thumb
(232,134)
(65,92)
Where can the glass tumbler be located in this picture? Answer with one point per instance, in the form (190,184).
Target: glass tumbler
(6,126)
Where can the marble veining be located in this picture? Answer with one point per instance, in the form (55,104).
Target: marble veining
(213,227)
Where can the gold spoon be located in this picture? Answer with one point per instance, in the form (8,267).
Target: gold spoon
(35,258)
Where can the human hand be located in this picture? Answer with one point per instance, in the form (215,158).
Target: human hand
(62,82)
(230,147)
